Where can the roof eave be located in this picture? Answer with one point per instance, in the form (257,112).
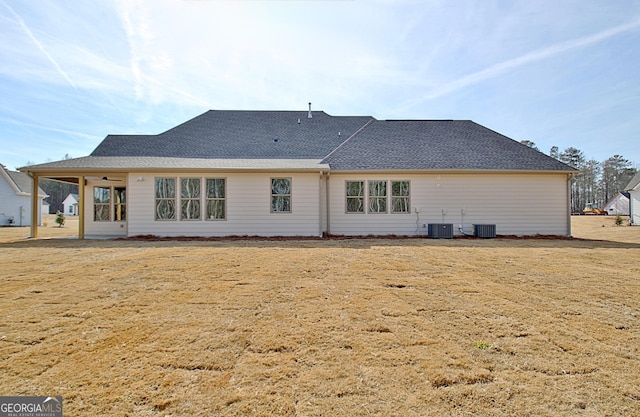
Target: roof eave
(451,171)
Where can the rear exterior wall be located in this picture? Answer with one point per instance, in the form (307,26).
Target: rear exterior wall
(248,207)
(517,203)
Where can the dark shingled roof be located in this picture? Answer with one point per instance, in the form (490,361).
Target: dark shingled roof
(344,142)
(241,135)
(23,182)
(437,145)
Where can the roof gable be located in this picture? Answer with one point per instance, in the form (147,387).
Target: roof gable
(634,184)
(241,135)
(19,182)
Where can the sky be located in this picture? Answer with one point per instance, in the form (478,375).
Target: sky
(562,73)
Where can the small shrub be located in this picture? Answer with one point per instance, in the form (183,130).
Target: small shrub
(60,219)
(482,345)
(618,220)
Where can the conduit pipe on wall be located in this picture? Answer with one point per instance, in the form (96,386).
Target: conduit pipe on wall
(326,176)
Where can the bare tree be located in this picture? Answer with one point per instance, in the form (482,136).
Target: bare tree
(530,144)
(575,158)
(617,172)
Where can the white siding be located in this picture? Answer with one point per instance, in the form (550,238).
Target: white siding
(70,206)
(635,207)
(248,207)
(518,204)
(618,205)
(102,228)
(14,206)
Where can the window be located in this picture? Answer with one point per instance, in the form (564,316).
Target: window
(101,204)
(165,198)
(216,199)
(119,204)
(281,195)
(355,196)
(190,199)
(377,196)
(400,196)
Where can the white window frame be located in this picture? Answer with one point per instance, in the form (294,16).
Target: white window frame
(208,199)
(168,199)
(280,195)
(197,201)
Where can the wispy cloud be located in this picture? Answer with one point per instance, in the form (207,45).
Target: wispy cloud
(35,40)
(148,61)
(512,64)
(49,129)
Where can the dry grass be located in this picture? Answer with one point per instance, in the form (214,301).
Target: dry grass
(459,327)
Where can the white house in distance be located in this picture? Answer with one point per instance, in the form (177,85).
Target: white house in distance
(15,199)
(70,205)
(304,173)
(634,199)
(618,205)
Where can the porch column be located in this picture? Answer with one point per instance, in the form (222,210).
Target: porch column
(81,207)
(34,207)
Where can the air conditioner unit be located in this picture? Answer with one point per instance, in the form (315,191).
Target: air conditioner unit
(484,230)
(440,230)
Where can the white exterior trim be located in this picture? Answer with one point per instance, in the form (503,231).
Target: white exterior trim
(15,204)
(634,207)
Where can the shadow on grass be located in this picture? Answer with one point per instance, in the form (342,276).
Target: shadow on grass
(330,242)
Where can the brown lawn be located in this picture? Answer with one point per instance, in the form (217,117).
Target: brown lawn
(415,327)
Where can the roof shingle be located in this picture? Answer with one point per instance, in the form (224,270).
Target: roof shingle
(436,145)
(345,143)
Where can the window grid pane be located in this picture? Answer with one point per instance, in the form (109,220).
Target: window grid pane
(190,199)
(101,213)
(119,204)
(281,195)
(400,197)
(377,196)
(101,204)
(216,199)
(355,196)
(165,198)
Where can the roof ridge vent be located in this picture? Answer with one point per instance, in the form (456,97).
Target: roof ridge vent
(309,115)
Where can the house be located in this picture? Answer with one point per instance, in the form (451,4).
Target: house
(15,199)
(304,173)
(634,199)
(70,205)
(618,205)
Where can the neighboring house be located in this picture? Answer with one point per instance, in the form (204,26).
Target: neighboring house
(634,199)
(15,199)
(298,173)
(45,208)
(618,205)
(70,205)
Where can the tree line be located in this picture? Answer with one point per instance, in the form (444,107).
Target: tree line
(57,192)
(595,182)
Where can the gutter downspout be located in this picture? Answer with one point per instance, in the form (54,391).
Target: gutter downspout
(320,217)
(327,203)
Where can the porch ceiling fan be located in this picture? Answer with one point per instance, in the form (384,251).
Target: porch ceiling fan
(105,178)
